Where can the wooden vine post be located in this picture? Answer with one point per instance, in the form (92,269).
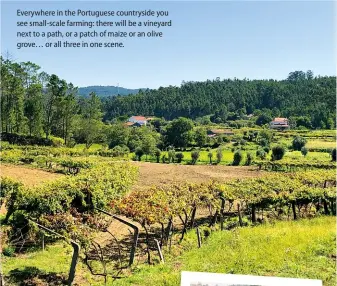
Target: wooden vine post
(75,256)
(222,212)
(135,234)
(199,237)
(253,213)
(159,251)
(240,216)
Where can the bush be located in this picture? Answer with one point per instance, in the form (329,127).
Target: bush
(304,151)
(249,159)
(260,153)
(56,141)
(139,153)
(157,153)
(219,155)
(333,154)
(164,158)
(171,154)
(237,158)
(278,152)
(26,140)
(298,143)
(179,157)
(195,156)
(266,149)
(8,251)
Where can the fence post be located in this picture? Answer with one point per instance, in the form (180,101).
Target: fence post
(159,251)
(240,217)
(199,237)
(75,256)
(135,235)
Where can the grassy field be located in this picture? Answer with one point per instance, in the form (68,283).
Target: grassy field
(300,249)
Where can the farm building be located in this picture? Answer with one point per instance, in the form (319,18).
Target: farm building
(140,120)
(216,132)
(137,121)
(279,123)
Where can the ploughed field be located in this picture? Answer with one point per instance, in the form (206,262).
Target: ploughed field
(149,174)
(26,175)
(153,174)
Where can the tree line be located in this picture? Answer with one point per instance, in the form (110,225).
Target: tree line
(308,99)
(38,104)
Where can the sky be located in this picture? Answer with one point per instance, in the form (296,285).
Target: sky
(226,39)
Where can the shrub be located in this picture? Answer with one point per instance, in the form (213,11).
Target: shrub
(157,153)
(278,152)
(298,143)
(219,155)
(179,157)
(139,153)
(8,251)
(163,158)
(304,151)
(333,154)
(260,153)
(195,156)
(249,159)
(56,141)
(171,154)
(237,158)
(266,149)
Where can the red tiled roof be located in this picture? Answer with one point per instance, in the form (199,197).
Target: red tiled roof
(138,117)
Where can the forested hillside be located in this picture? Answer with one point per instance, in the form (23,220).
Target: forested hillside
(104,91)
(37,104)
(301,94)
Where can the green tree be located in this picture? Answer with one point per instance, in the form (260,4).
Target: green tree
(210,156)
(200,137)
(157,154)
(139,153)
(179,132)
(298,143)
(195,156)
(278,152)
(238,156)
(91,127)
(179,156)
(263,119)
(219,154)
(304,151)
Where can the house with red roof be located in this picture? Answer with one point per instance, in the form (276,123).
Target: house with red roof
(138,120)
(279,123)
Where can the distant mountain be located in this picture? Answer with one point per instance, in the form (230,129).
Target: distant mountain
(104,91)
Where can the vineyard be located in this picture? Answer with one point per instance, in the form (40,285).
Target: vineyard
(107,214)
(81,207)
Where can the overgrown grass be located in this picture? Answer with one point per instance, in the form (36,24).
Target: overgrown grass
(300,249)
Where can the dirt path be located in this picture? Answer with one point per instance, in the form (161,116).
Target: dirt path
(26,175)
(154,174)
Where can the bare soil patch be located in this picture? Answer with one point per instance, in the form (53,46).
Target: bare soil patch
(153,174)
(26,175)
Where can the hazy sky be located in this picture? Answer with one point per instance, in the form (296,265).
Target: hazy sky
(265,39)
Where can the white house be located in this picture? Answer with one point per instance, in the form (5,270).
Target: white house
(141,120)
(279,123)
